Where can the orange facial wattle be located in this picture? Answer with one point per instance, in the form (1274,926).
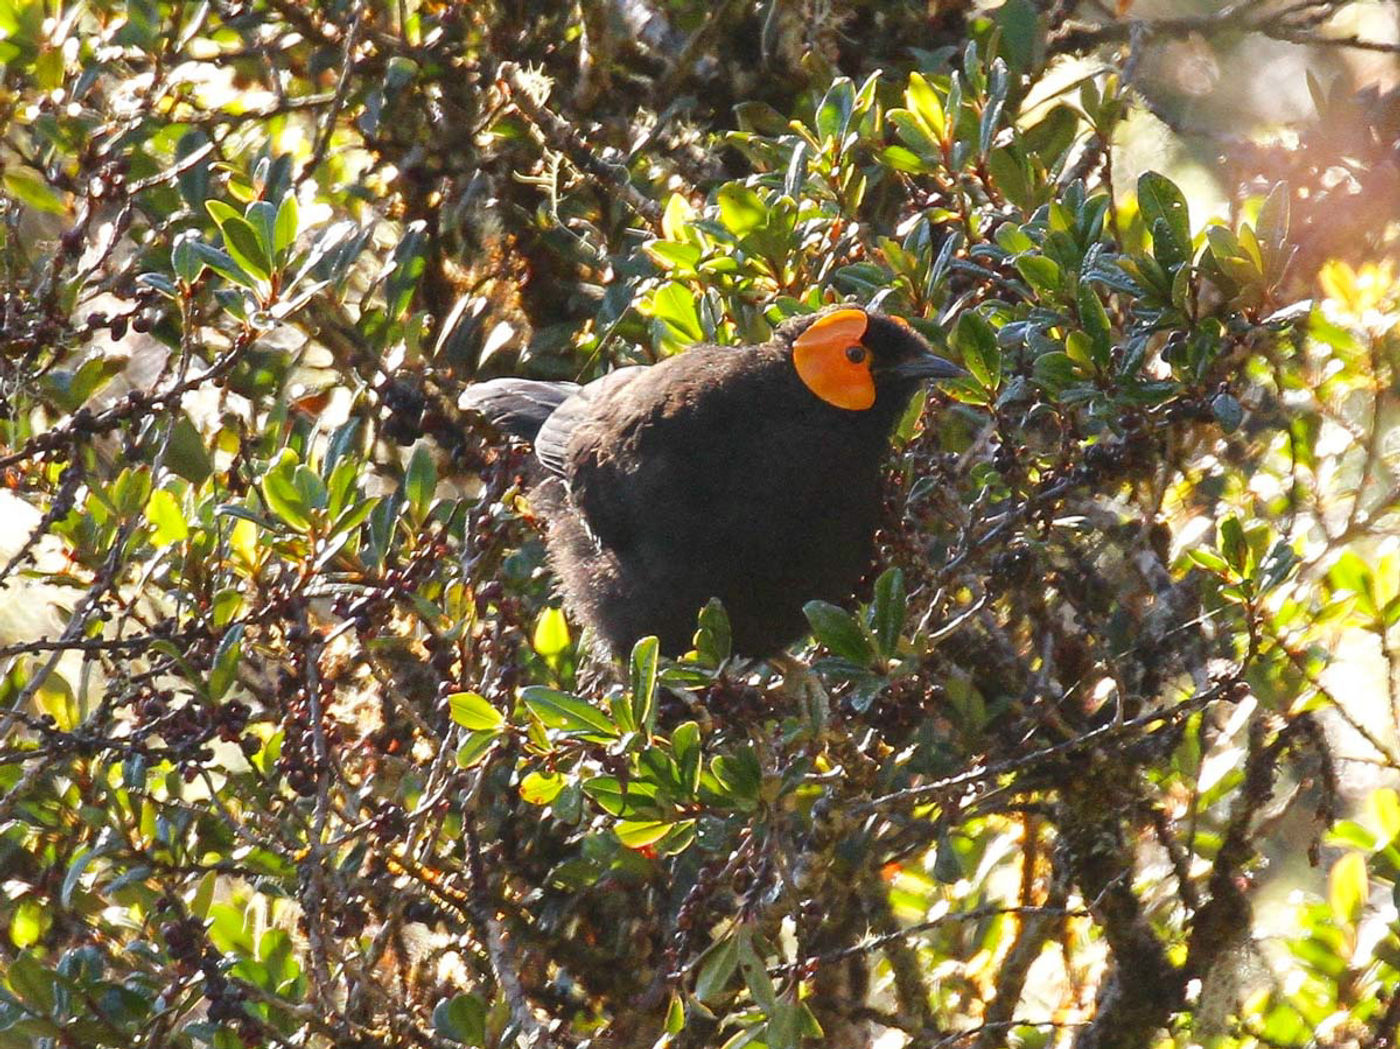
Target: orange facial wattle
(833,363)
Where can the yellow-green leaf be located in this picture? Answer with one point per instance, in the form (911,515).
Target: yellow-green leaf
(540,788)
(551,636)
(167,519)
(29,921)
(476,747)
(474,712)
(638,834)
(1348,887)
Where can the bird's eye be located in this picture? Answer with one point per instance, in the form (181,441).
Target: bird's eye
(855,354)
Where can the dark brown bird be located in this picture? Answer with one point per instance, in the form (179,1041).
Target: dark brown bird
(747,474)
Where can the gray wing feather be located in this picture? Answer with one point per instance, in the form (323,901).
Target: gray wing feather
(552,441)
(518,406)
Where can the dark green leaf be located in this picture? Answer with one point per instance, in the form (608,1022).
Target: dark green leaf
(420,481)
(461,1018)
(712,639)
(838,630)
(887,611)
(1233,545)
(1160,200)
(976,341)
(717,969)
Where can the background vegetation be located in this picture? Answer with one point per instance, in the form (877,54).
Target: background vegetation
(298,750)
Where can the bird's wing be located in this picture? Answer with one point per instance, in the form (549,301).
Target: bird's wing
(518,406)
(552,442)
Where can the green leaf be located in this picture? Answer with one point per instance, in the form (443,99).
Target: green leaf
(1012,175)
(203,896)
(1041,273)
(1348,887)
(1055,370)
(685,745)
(718,968)
(1096,325)
(540,788)
(756,976)
(221,211)
(642,666)
(551,637)
(286,225)
(184,258)
(1234,546)
(784,1027)
(922,100)
(675,1015)
(741,210)
(262,217)
(834,113)
(637,796)
(159,281)
(738,774)
(917,135)
(282,494)
(1223,243)
(168,525)
(1022,35)
(620,706)
(461,1018)
(1052,138)
(420,482)
(677,318)
(712,638)
(1159,199)
(32,982)
(903,159)
(976,341)
(30,188)
(1351,573)
(838,630)
(406,268)
(241,241)
(222,263)
(638,834)
(226,658)
(475,712)
(888,610)
(566,713)
(1209,560)
(476,747)
(76,866)
(1272,229)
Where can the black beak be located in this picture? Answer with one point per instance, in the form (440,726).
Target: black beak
(928,366)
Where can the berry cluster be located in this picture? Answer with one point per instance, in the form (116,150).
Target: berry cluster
(188,727)
(298,761)
(188,946)
(404,402)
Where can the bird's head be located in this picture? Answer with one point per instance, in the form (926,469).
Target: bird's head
(856,359)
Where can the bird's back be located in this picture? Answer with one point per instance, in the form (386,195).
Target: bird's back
(712,474)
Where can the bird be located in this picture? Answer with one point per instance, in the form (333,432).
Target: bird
(748,474)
